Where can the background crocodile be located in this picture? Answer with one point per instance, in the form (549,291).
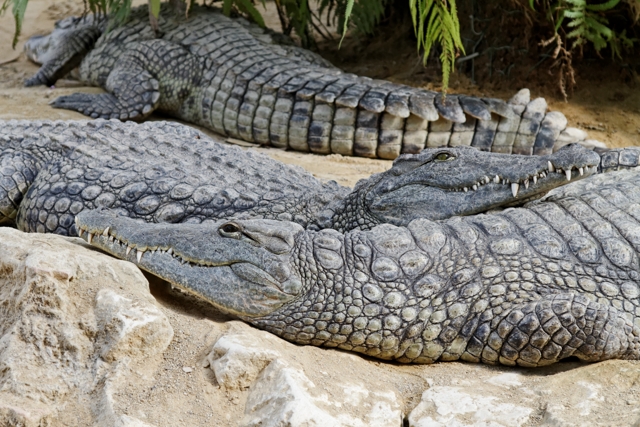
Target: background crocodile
(527,286)
(166,172)
(240,80)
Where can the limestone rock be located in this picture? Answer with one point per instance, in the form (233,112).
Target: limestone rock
(72,324)
(600,394)
(280,392)
(456,406)
(127,421)
(240,355)
(284,396)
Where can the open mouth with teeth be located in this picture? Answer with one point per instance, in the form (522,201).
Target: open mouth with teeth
(471,186)
(229,274)
(119,247)
(531,180)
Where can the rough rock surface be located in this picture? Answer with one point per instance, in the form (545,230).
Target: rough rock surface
(281,394)
(73,325)
(83,342)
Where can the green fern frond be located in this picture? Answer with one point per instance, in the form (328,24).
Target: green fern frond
(246,7)
(587,22)
(602,7)
(442,27)
(18,9)
(154,7)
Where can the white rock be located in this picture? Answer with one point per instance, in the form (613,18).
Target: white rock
(284,396)
(508,379)
(280,392)
(240,355)
(72,323)
(594,395)
(135,330)
(127,421)
(456,406)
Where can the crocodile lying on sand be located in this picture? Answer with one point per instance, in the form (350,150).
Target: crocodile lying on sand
(167,172)
(240,80)
(527,286)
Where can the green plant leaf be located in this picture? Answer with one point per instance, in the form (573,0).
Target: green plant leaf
(247,7)
(19,7)
(154,7)
(603,6)
(347,14)
(226,7)
(573,14)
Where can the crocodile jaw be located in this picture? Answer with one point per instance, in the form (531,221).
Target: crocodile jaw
(227,273)
(471,183)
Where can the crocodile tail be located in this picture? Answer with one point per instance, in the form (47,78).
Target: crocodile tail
(619,158)
(324,111)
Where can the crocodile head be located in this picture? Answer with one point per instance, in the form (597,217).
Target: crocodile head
(241,267)
(61,50)
(42,48)
(441,183)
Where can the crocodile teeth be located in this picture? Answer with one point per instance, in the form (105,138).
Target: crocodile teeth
(496,179)
(111,238)
(551,168)
(128,250)
(475,187)
(535,179)
(568,173)
(105,233)
(514,189)
(139,255)
(170,251)
(89,238)
(526,183)
(581,170)
(465,189)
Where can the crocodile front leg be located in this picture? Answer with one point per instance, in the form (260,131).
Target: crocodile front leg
(151,75)
(545,331)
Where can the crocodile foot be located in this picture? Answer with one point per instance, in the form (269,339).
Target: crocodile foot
(99,106)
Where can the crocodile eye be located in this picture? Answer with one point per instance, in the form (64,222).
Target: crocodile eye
(443,157)
(229,230)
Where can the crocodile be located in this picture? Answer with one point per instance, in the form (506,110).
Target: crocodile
(527,286)
(243,81)
(167,172)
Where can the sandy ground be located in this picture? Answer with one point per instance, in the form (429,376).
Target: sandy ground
(609,110)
